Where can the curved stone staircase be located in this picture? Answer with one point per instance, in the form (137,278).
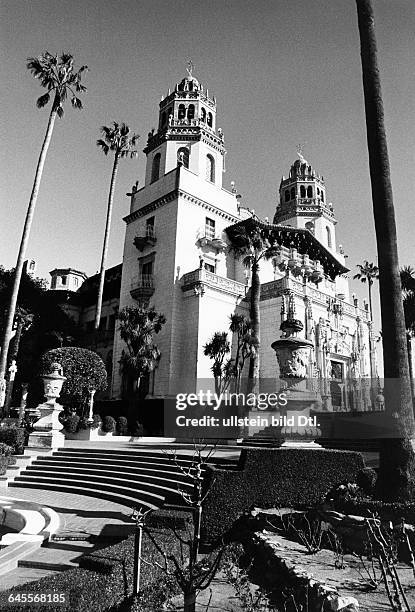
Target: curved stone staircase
(132,478)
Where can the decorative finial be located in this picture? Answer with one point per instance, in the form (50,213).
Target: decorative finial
(190,67)
(300,149)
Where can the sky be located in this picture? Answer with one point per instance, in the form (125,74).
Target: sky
(282,72)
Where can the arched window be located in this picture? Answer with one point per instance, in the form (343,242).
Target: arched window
(191,112)
(182,112)
(302,191)
(163,119)
(183,155)
(287,196)
(322,195)
(210,168)
(155,168)
(328,237)
(318,191)
(203,115)
(210,119)
(309,191)
(292,193)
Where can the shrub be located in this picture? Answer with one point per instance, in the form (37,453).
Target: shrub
(366,480)
(108,424)
(96,423)
(273,477)
(122,426)
(6,457)
(6,450)
(72,423)
(83,424)
(84,371)
(14,437)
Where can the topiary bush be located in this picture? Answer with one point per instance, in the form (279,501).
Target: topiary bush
(72,423)
(269,478)
(14,437)
(108,424)
(96,422)
(84,370)
(122,426)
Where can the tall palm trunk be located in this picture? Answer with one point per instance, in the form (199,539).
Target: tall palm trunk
(255,324)
(24,242)
(370,300)
(397,458)
(106,238)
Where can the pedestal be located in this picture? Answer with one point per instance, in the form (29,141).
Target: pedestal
(293,354)
(47,432)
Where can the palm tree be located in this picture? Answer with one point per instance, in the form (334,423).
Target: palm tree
(57,75)
(251,241)
(119,140)
(137,327)
(408,291)
(245,345)
(217,348)
(397,456)
(368,272)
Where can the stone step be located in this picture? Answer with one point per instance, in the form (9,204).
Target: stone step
(133,500)
(166,457)
(90,483)
(108,465)
(168,480)
(107,481)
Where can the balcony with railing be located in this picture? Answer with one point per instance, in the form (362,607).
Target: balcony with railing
(148,238)
(142,286)
(199,279)
(206,238)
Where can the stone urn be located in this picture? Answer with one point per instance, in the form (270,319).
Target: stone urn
(47,429)
(293,355)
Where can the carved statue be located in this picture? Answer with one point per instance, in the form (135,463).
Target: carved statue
(12,370)
(293,363)
(189,69)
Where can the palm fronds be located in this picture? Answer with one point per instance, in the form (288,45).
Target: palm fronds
(57,75)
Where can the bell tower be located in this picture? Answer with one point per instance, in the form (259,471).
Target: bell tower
(303,203)
(186,133)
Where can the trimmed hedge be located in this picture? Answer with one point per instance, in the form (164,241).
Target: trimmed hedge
(15,437)
(110,588)
(273,478)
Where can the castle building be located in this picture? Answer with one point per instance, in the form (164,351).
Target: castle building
(176,258)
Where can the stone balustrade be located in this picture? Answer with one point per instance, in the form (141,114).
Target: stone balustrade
(200,277)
